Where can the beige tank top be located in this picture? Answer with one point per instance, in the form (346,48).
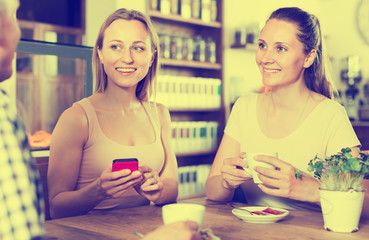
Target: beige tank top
(99,152)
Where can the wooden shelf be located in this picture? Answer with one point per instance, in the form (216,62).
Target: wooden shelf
(360,123)
(180,19)
(194,109)
(190,64)
(208,152)
(248,46)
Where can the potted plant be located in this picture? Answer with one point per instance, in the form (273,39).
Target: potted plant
(341,191)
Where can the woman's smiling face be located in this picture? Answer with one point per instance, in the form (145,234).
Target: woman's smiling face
(280,56)
(126,53)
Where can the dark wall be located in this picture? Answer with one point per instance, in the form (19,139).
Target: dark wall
(57,12)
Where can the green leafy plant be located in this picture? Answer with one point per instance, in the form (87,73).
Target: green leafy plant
(341,172)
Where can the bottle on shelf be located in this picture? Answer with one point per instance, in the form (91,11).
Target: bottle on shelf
(194,136)
(210,51)
(189,92)
(186,8)
(176,47)
(174,7)
(213,10)
(154,4)
(196,8)
(165,7)
(240,36)
(192,180)
(164,40)
(187,48)
(199,49)
(205,10)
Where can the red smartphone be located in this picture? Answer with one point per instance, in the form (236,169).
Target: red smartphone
(125,163)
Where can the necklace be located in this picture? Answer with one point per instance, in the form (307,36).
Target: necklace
(298,119)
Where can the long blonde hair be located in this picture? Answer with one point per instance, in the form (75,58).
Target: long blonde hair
(146,87)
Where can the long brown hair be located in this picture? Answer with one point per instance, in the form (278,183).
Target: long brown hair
(317,77)
(146,87)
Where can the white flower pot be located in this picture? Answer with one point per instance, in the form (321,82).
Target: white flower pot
(341,209)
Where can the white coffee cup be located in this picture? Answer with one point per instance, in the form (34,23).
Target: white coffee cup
(252,164)
(183,212)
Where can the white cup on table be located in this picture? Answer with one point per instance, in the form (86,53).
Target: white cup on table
(183,212)
(253,163)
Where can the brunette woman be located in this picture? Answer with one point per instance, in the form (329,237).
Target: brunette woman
(297,118)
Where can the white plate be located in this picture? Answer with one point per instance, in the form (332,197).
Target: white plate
(270,218)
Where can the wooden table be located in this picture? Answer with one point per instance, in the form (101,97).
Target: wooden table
(120,224)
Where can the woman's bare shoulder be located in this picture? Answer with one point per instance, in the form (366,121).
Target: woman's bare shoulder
(71,130)
(162,111)
(73,120)
(160,108)
(74,113)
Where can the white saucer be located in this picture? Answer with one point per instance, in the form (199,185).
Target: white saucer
(270,218)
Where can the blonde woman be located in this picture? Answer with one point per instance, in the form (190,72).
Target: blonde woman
(117,121)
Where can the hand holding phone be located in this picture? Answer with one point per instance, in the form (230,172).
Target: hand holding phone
(125,163)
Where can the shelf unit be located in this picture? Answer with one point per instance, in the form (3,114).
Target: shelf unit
(174,24)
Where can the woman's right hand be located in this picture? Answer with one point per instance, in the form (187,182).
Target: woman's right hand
(114,184)
(233,173)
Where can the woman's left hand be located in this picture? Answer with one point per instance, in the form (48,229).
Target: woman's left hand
(151,186)
(283,182)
